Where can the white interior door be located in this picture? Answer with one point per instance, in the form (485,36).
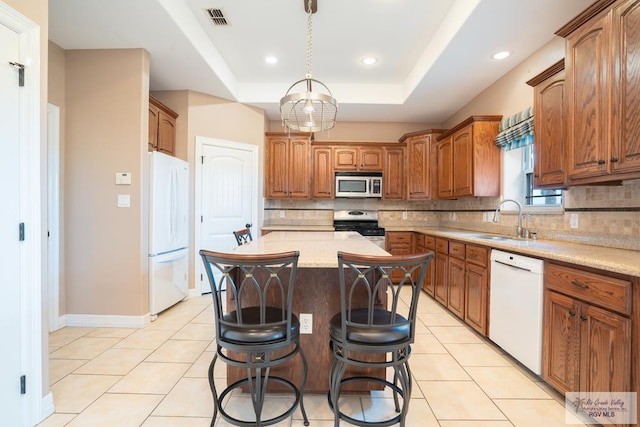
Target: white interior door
(53,214)
(9,224)
(228,196)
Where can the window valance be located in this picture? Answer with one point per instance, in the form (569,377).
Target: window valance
(516,131)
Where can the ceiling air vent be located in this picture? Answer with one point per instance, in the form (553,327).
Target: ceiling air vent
(216,16)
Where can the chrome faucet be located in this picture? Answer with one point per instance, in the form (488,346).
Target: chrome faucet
(519,230)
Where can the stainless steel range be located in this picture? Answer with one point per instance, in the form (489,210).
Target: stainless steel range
(362,221)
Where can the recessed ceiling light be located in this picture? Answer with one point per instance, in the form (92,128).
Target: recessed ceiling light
(369,60)
(271,60)
(501,55)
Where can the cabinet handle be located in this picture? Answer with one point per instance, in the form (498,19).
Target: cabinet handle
(614,159)
(536,175)
(583,317)
(601,162)
(572,313)
(580,285)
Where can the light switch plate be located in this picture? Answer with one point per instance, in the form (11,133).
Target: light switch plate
(575,222)
(124,200)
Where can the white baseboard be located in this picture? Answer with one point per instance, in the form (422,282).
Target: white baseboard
(105,321)
(46,407)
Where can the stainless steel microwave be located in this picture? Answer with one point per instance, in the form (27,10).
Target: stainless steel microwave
(358,184)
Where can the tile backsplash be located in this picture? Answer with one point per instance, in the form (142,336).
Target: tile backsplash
(606,215)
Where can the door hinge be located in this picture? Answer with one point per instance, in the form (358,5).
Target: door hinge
(201,277)
(23,384)
(21,232)
(20,68)
(201,218)
(202,160)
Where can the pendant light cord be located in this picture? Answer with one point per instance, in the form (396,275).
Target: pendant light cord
(309,29)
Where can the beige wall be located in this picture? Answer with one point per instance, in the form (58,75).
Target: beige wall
(106,132)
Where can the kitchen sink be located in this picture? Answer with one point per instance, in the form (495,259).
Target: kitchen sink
(492,237)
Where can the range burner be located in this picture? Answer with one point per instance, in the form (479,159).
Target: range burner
(364,222)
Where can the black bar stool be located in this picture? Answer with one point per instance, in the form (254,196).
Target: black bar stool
(243,236)
(376,325)
(258,331)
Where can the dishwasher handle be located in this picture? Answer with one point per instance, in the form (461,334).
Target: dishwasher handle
(512,266)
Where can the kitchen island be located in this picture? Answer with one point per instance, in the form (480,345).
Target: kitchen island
(317,291)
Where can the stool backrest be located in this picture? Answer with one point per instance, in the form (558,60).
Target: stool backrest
(243,280)
(366,282)
(243,236)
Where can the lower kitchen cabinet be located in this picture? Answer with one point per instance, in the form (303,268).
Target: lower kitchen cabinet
(587,331)
(424,244)
(441,288)
(476,292)
(398,243)
(456,279)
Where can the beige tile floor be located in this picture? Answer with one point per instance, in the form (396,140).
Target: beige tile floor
(157,377)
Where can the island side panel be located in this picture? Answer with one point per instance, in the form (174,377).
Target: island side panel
(317,291)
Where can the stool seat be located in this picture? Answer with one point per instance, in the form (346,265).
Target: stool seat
(255,331)
(382,330)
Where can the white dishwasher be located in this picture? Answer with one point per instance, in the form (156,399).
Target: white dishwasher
(515,307)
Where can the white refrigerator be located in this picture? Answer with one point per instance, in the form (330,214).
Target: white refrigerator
(168,231)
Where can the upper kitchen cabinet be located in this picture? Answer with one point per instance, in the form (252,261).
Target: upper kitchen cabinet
(287,170)
(421,163)
(603,93)
(322,179)
(468,159)
(393,173)
(549,127)
(357,158)
(162,127)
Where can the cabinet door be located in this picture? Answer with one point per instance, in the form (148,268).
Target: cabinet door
(277,173)
(561,347)
(605,343)
(166,133)
(398,243)
(418,168)
(323,177)
(462,155)
(345,158)
(445,171)
(625,156)
(549,124)
(587,73)
(153,127)
(476,297)
(299,173)
(455,301)
(393,174)
(442,274)
(370,159)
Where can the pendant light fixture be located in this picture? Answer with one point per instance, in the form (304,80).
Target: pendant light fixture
(306,110)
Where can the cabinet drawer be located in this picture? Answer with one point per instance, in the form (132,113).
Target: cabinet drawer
(399,237)
(477,255)
(596,289)
(456,250)
(429,242)
(442,245)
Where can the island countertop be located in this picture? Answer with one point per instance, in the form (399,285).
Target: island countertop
(318,249)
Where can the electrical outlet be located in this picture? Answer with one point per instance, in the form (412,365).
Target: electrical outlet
(281,214)
(574,220)
(306,323)
(404,214)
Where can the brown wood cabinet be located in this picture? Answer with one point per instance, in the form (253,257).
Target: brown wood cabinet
(587,331)
(322,180)
(357,158)
(393,173)
(425,243)
(469,160)
(476,291)
(398,243)
(456,279)
(287,173)
(162,127)
(421,163)
(549,127)
(603,93)
(441,289)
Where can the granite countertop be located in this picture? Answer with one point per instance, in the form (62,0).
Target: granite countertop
(318,249)
(609,259)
